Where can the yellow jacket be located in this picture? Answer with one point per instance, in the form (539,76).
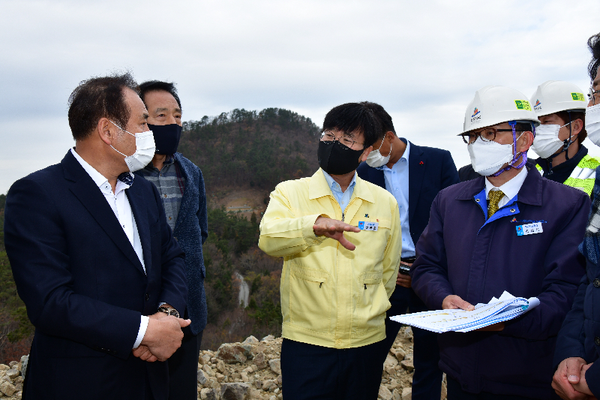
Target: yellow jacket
(331,296)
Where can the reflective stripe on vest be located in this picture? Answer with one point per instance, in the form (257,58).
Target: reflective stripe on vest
(583,175)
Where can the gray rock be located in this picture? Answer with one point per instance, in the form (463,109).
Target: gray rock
(251,340)
(13,373)
(260,360)
(407,365)
(235,391)
(232,353)
(269,385)
(275,366)
(201,377)
(24,362)
(384,393)
(7,388)
(209,394)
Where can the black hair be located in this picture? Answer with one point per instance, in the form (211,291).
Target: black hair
(150,86)
(96,98)
(384,118)
(354,117)
(594,46)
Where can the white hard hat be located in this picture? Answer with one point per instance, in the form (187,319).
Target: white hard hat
(555,96)
(493,105)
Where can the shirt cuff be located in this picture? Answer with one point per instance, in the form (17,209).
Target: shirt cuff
(142,331)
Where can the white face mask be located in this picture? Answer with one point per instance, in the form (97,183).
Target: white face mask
(592,123)
(546,141)
(487,158)
(375,159)
(144,150)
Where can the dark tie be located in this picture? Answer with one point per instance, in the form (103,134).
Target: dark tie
(126,178)
(494,198)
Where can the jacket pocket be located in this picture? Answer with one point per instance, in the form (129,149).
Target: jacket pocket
(310,298)
(371,302)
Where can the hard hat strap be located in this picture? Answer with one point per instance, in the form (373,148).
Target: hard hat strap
(516,155)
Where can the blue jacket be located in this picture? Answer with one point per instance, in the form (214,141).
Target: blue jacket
(191,231)
(461,253)
(84,286)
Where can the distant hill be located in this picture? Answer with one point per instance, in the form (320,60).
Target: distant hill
(248,149)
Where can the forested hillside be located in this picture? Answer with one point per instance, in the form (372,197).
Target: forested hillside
(248,148)
(237,151)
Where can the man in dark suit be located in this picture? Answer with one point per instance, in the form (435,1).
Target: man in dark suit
(414,175)
(94,259)
(181,187)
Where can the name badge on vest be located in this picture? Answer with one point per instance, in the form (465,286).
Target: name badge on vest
(529,229)
(368,226)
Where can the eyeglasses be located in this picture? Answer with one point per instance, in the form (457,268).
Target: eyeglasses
(593,95)
(346,141)
(486,134)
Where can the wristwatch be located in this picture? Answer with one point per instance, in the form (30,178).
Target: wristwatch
(169,311)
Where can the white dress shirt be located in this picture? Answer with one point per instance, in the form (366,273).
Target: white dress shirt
(119,203)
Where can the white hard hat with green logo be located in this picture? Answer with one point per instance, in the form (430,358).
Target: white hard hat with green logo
(556,96)
(493,105)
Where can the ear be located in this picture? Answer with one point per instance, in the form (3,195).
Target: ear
(525,142)
(106,130)
(365,154)
(577,127)
(389,136)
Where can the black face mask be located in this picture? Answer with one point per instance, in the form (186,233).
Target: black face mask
(337,159)
(166,138)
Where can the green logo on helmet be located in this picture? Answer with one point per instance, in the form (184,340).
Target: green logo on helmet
(523,105)
(578,96)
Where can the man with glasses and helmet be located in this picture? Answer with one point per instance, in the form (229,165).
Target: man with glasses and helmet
(560,107)
(341,242)
(508,230)
(577,374)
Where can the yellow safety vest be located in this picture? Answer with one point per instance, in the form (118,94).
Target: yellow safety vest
(583,175)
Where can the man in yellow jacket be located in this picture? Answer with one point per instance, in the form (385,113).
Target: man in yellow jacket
(340,239)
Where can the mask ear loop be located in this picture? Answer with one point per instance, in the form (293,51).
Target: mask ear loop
(516,155)
(567,142)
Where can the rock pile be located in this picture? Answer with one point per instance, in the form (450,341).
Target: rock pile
(11,379)
(251,371)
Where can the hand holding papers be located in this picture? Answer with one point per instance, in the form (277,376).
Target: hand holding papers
(505,308)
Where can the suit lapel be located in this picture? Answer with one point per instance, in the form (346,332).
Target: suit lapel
(416,173)
(83,187)
(140,212)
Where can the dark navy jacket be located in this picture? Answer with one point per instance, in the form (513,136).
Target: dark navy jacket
(84,286)
(191,231)
(461,253)
(580,333)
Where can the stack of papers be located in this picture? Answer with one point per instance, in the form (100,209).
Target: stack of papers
(505,308)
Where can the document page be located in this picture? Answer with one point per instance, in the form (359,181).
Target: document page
(505,308)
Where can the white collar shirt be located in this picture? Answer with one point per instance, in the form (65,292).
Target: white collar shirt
(510,188)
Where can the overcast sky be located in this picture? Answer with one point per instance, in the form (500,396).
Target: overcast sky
(421,60)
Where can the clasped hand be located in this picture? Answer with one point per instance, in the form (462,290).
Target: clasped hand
(569,379)
(163,337)
(334,229)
